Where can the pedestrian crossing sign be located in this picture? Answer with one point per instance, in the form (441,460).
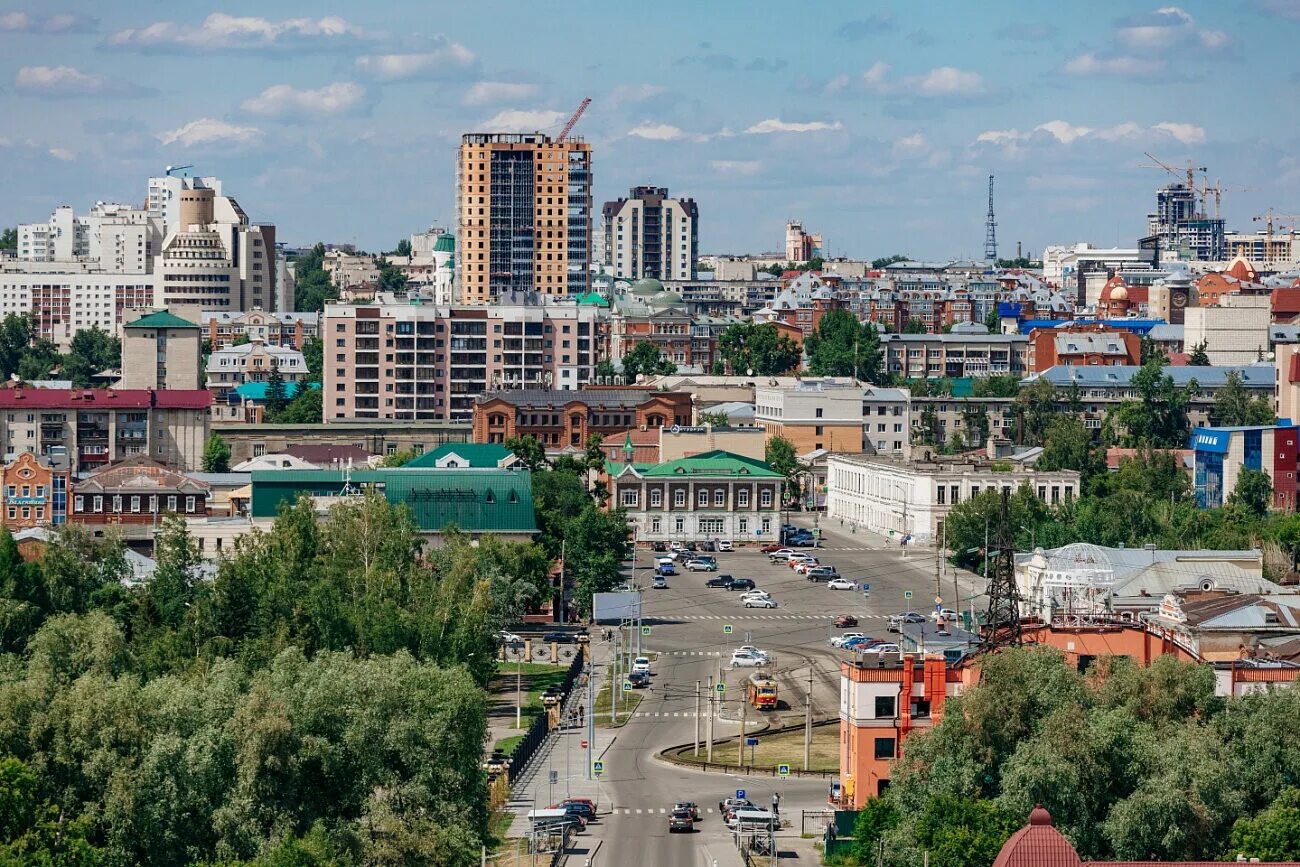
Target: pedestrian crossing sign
(645,630)
(627,686)
(907,594)
(783,770)
(727,629)
(598,768)
(721,687)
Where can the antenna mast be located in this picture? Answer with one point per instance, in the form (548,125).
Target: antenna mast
(991,231)
(1002,626)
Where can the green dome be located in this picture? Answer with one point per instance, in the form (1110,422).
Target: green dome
(647,286)
(665,299)
(446,243)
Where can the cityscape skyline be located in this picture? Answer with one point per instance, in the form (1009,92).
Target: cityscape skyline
(325,118)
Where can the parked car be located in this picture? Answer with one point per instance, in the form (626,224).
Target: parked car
(821,573)
(638,679)
(560,637)
(719,581)
(896,621)
(660,582)
(676,547)
(510,639)
(780,555)
(659,546)
(665,569)
(841,640)
(701,566)
(808,541)
(840,584)
(756,594)
(680,820)
(885,647)
(741,584)
(770,547)
(845,620)
(862,642)
(760,602)
(801,565)
(584,807)
(728,806)
(745,659)
(724,545)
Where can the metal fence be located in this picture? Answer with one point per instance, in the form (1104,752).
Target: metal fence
(815,821)
(541,726)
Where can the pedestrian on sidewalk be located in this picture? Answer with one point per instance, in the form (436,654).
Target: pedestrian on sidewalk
(776,804)
(582,715)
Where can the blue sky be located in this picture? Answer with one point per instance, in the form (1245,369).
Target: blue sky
(874,123)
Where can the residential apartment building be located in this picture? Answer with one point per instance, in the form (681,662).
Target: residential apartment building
(34,491)
(368,436)
(523,215)
(94,427)
(426,362)
(1234,332)
(290,329)
(801,246)
(649,234)
(838,415)
(161,351)
(562,420)
(957,420)
(1222,454)
(802,304)
(133,496)
(1082,345)
(253,362)
(649,313)
(67,297)
(911,499)
(709,496)
(933,356)
(350,271)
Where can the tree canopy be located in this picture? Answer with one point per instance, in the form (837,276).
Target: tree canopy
(762,349)
(645,358)
(838,341)
(312,283)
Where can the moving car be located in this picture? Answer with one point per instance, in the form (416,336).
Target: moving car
(690,807)
(797,560)
(642,664)
(741,584)
(770,548)
(760,602)
(660,582)
(841,640)
(680,820)
(701,565)
(805,540)
(896,621)
(780,555)
(822,573)
(665,569)
(510,639)
(757,651)
(756,594)
(719,581)
(560,637)
(638,679)
(724,545)
(840,584)
(845,620)
(944,614)
(745,659)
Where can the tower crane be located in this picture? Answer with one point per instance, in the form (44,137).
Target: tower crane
(568,127)
(1188,174)
(1268,217)
(171,169)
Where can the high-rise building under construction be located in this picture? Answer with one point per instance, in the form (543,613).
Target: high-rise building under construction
(523,214)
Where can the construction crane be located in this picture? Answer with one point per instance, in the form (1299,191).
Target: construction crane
(1219,189)
(568,127)
(1268,217)
(1188,174)
(171,169)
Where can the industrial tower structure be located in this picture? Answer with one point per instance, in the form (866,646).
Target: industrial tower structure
(991,231)
(1002,621)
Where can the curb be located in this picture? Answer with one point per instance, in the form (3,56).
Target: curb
(726,768)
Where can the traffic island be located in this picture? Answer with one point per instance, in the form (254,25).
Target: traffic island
(775,750)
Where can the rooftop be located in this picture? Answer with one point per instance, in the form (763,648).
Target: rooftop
(160,319)
(104,398)
(478,455)
(629,397)
(950,464)
(1119,376)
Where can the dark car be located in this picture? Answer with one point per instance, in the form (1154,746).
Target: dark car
(741,584)
(680,820)
(560,637)
(660,546)
(822,573)
(578,807)
(845,620)
(690,807)
(573,810)
(638,679)
(720,581)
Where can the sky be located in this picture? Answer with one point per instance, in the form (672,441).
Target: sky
(876,124)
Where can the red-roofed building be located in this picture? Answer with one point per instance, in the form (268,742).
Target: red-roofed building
(1286,303)
(94,427)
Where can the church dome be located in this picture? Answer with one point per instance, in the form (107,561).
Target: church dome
(1119,293)
(647,286)
(1038,844)
(446,243)
(665,298)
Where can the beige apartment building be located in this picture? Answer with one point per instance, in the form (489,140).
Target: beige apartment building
(161,350)
(523,213)
(835,415)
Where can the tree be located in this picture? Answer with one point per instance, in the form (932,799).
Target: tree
(1233,405)
(1198,356)
(605,371)
(645,358)
(995,386)
(529,451)
(305,408)
(758,350)
(403,248)
(975,421)
(313,353)
(886,261)
(780,456)
(1272,835)
(716,419)
(1149,350)
(276,396)
(1158,418)
(1018,262)
(92,350)
(9,239)
(1253,494)
(17,331)
(839,341)
(399,458)
(37,362)
(216,455)
(915,326)
(929,431)
(391,278)
(312,286)
(1034,407)
(993,320)
(1068,446)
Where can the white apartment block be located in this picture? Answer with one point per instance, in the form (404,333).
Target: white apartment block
(230,366)
(649,234)
(67,297)
(63,238)
(1234,333)
(899,498)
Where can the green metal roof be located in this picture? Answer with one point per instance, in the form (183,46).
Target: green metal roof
(485,455)
(446,243)
(716,463)
(591,298)
(161,319)
(613,468)
(475,500)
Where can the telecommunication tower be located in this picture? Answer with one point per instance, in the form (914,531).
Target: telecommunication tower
(991,231)
(1002,623)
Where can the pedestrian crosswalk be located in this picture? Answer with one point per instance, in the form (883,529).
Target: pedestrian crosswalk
(646,811)
(687,714)
(728,618)
(690,653)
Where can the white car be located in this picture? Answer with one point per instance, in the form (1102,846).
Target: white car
(510,638)
(885,648)
(757,651)
(780,555)
(641,664)
(840,584)
(838,640)
(745,659)
(724,545)
(760,602)
(677,546)
(802,566)
(755,594)
(944,614)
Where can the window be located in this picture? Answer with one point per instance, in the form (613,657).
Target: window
(742,498)
(744,526)
(820,430)
(171,503)
(629,496)
(79,503)
(1056,494)
(974,490)
(680,525)
(153,502)
(135,504)
(1069,490)
(720,497)
(767,526)
(1042,493)
(885,705)
(765,498)
(40,490)
(117,502)
(955,491)
(679,498)
(656,498)
(819,412)
(711,526)
(259,449)
(884,748)
(655,525)
(702,499)
(98,503)
(13,513)
(189,504)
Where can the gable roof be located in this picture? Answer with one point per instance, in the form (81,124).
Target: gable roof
(715,463)
(140,474)
(482,455)
(161,319)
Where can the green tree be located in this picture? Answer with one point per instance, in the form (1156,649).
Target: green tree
(305,408)
(975,421)
(313,353)
(391,278)
(780,456)
(1149,351)
(716,419)
(838,341)
(1233,405)
(762,349)
(312,286)
(92,350)
(241,339)
(1198,356)
(1273,834)
(1253,494)
(645,358)
(886,261)
(877,817)
(928,430)
(1068,446)
(216,455)
(277,397)
(1034,408)
(17,331)
(606,371)
(530,452)
(1158,418)
(37,362)
(9,239)
(399,458)
(1018,262)
(992,320)
(963,832)
(403,248)
(915,326)
(995,386)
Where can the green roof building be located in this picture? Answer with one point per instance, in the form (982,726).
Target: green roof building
(161,319)
(464,456)
(476,500)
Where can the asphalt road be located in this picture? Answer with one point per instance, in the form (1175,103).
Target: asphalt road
(687,623)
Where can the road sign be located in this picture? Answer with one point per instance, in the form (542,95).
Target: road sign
(907,594)
(751,742)
(598,768)
(727,629)
(783,770)
(938,600)
(627,686)
(645,630)
(721,687)
(584,743)
(553,777)
(740,794)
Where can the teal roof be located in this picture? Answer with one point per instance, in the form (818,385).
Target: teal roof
(715,464)
(475,500)
(591,299)
(482,455)
(446,243)
(161,319)
(613,468)
(257,390)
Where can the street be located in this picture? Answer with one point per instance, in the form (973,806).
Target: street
(687,622)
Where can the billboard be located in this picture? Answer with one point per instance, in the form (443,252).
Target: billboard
(615,607)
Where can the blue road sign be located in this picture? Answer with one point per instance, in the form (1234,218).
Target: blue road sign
(645,630)
(627,686)
(598,768)
(751,742)
(740,793)
(783,770)
(727,629)
(907,594)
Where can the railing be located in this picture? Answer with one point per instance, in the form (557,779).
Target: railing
(541,726)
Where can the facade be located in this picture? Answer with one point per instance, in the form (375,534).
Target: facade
(1082,345)
(134,495)
(836,415)
(253,362)
(953,417)
(94,427)
(523,215)
(1286,362)
(291,330)
(65,298)
(1179,226)
(1236,331)
(649,234)
(460,456)
(648,313)
(350,271)
(659,445)
(34,491)
(932,356)
(161,351)
(567,419)
(709,496)
(911,499)
(1222,453)
(1273,250)
(419,362)
(371,437)
(799,245)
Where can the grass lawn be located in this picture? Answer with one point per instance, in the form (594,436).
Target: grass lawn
(507,745)
(534,679)
(627,703)
(782,749)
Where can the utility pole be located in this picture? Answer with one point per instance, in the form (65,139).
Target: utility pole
(591,713)
(697,718)
(708,747)
(519,703)
(614,680)
(744,717)
(807,723)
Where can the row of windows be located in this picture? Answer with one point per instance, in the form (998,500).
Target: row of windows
(138,504)
(631,497)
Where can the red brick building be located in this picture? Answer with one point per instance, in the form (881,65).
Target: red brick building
(34,492)
(567,419)
(1082,345)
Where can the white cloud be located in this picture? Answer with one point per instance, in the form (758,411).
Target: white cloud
(1186,133)
(875,77)
(627,94)
(208,130)
(1063,131)
(68,81)
(838,83)
(281,100)
(1000,136)
(515,120)
(487,92)
(947,81)
(774,125)
(25,22)
(63,154)
(916,143)
(447,59)
(1168,27)
(657,132)
(1121,65)
(1120,131)
(222,32)
(736,167)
